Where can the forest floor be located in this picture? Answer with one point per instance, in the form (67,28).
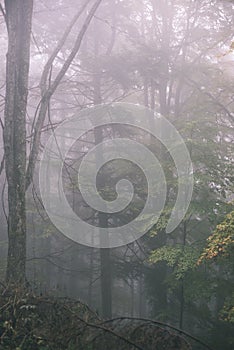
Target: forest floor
(29,322)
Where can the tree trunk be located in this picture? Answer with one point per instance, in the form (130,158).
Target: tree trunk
(182,301)
(105,259)
(18,19)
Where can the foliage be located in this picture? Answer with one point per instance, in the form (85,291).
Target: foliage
(169,56)
(220,249)
(40,323)
(43,323)
(182,259)
(227,313)
(221,242)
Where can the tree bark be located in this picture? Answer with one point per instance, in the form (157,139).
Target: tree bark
(18,19)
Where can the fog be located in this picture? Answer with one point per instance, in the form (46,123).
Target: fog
(155,73)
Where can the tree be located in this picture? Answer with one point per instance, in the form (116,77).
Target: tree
(165,55)
(18,17)
(219,252)
(18,21)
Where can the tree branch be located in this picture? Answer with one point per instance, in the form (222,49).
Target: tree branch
(48,92)
(4,15)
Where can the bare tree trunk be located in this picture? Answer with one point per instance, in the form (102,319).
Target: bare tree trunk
(18,19)
(106,283)
(132,293)
(90,285)
(146,92)
(181,320)
(105,259)
(182,302)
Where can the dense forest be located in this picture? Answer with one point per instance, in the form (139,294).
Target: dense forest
(138,98)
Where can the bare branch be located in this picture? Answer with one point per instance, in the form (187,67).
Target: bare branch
(50,61)
(4,15)
(48,92)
